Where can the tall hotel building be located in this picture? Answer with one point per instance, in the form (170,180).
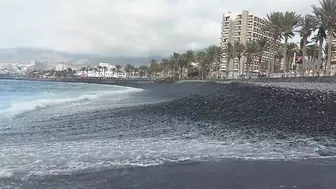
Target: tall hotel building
(333,51)
(244,27)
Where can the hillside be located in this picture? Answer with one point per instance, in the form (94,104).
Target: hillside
(25,55)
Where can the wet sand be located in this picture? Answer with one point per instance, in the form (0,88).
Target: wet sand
(230,174)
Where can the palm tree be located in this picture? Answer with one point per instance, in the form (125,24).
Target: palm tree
(165,67)
(118,67)
(143,71)
(219,52)
(291,49)
(128,69)
(99,70)
(273,24)
(113,70)
(250,53)
(321,36)
(104,70)
(229,55)
(278,56)
(315,40)
(182,64)
(289,21)
(88,68)
(212,55)
(327,14)
(262,45)
(177,62)
(308,24)
(83,69)
(202,59)
(325,50)
(153,67)
(189,58)
(239,49)
(136,71)
(312,56)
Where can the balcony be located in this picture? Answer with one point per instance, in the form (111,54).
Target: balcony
(226,18)
(238,22)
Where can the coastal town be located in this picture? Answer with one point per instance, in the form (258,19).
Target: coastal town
(250,46)
(167,94)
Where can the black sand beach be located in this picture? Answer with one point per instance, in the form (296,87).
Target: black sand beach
(285,138)
(235,174)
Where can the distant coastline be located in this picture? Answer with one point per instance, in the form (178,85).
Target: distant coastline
(126,82)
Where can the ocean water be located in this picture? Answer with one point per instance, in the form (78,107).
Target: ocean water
(23,97)
(54,128)
(23,103)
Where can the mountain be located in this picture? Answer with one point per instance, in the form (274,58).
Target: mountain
(25,55)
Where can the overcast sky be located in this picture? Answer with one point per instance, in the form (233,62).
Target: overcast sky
(125,27)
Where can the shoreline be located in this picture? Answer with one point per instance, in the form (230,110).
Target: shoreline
(126,82)
(229,173)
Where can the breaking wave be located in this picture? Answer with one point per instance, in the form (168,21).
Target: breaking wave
(20,107)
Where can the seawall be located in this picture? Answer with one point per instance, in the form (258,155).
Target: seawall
(325,79)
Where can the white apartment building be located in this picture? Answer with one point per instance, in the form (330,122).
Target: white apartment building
(60,67)
(244,27)
(11,68)
(109,66)
(333,57)
(110,72)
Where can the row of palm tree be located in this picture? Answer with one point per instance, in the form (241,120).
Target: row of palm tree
(56,73)
(100,69)
(178,65)
(281,26)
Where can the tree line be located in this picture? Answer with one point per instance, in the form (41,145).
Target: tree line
(313,30)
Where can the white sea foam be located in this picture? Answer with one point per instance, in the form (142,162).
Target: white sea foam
(66,157)
(27,105)
(4,173)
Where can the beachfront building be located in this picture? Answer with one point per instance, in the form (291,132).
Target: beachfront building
(243,27)
(36,65)
(333,50)
(333,57)
(60,67)
(103,70)
(11,68)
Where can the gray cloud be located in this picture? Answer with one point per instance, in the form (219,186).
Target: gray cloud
(125,27)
